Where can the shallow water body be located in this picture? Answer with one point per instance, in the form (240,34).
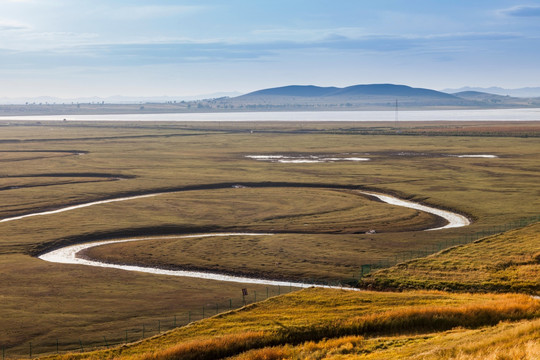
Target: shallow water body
(530,114)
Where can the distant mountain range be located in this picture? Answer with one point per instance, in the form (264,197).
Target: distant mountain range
(286,98)
(372,96)
(521,92)
(350,91)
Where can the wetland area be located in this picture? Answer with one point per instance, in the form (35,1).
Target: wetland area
(202,194)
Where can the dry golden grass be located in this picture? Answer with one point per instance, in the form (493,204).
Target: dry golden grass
(505,341)
(315,314)
(504,262)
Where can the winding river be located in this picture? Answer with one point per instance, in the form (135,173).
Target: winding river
(69,254)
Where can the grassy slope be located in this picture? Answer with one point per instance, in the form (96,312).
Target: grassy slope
(386,320)
(506,262)
(504,341)
(308,316)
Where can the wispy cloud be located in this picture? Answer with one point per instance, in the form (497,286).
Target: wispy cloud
(7,25)
(149,11)
(522,11)
(152,53)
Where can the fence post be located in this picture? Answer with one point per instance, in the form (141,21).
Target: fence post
(80,342)
(203,311)
(143,331)
(57,346)
(267,292)
(106,343)
(217,308)
(159,326)
(255,295)
(230,304)
(126,336)
(174,324)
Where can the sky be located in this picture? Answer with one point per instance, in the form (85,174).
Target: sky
(82,48)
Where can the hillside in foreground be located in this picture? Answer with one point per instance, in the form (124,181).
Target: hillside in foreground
(507,262)
(317,323)
(342,324)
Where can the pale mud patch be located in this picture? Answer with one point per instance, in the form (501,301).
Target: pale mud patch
(486,156)
(423,154)
(306,159)
(311,159)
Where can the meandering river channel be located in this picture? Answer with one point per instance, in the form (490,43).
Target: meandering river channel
(70,254)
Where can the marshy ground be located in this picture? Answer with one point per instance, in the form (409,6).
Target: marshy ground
(320,231)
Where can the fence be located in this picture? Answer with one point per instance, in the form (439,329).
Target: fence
(445,244)
(145,330)
(173,321)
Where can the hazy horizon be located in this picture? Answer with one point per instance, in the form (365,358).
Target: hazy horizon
(142,48)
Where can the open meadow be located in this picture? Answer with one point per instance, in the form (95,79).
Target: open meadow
(299,182)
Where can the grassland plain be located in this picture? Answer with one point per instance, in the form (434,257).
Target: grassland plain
(50,165)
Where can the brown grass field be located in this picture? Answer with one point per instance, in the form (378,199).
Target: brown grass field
(504,262)
(319,229)
(317,323)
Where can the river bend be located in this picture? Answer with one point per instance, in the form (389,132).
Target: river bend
(69,254)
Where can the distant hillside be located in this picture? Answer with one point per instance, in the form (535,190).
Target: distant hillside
(289,98)
(494,99)
(356,90)
(392,90)
(293,90)
(520,92)
(371,96)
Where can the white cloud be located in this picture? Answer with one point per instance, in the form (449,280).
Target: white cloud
(307,34)
(522,11)
(151,11)
(6,25)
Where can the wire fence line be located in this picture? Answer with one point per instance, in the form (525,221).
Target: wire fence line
(366,268)
(159,325)
(145,330)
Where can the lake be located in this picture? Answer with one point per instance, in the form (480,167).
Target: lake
(404,115)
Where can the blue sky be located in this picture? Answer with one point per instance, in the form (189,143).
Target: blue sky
(73,48)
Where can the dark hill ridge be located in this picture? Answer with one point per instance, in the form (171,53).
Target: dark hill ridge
(371,96)
(392,90)
(355,90)
(294,90)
